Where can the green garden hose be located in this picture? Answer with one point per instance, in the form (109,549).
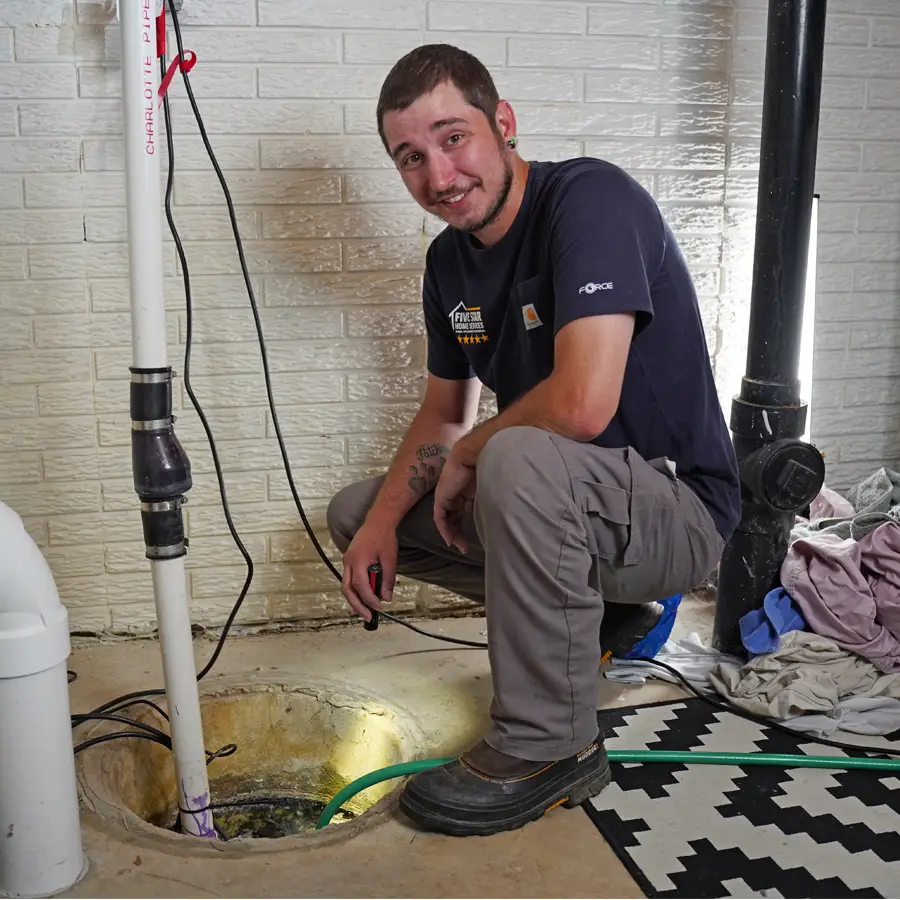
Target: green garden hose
(783,760)
(401,770)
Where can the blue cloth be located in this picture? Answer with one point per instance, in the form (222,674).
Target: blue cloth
(652,642)
(761,629)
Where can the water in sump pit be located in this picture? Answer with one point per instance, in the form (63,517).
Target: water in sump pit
(254,810)
(270,817)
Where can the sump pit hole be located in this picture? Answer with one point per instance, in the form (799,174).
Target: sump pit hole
(296,748)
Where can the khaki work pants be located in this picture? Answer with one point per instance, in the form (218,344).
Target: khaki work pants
(558,527)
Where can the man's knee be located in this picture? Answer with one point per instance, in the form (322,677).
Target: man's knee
(517,457)
(339,518)
(348,509)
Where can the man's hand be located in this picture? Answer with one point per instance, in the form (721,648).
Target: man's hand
(455,489)
(372,544)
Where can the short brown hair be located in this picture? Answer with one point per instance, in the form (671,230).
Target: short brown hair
(424,68)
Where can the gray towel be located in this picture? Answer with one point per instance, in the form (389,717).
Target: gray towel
(876,501)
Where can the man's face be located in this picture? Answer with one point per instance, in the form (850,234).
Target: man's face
(451,160)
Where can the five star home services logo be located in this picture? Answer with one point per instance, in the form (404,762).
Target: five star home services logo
(467,324)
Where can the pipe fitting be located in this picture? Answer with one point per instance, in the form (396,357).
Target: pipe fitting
(160,465)
(161,468)
(40,831)
(784,476)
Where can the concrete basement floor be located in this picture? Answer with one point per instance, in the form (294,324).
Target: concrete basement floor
(448,690)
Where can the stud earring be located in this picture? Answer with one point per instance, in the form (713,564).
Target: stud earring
(512,142)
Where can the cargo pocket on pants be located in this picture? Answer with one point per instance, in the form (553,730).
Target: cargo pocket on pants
(619,519)
(609,537)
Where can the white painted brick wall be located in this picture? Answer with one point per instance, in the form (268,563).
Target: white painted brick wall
(670,89)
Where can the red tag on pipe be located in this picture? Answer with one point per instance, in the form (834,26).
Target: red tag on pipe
(161,31)
(190,59)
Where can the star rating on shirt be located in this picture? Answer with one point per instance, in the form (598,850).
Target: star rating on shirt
(472,338)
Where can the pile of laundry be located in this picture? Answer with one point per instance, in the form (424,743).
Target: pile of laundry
(824,648)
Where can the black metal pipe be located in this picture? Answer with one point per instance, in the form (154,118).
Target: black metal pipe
(787,171)
(780,474)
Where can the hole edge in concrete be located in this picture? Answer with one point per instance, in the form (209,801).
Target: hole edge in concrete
(100,769)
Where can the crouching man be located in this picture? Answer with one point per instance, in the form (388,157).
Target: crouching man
(608,476)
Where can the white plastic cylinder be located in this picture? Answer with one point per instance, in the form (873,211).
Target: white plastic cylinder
(183,701)
(143,145)
(40,831)
(140,83)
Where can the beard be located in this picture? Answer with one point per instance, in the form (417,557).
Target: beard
(498,203)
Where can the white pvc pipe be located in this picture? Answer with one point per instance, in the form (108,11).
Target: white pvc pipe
(183,703)
(140,82)
(143,144)
(40,832)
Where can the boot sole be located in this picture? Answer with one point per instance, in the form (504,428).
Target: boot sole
(575,795)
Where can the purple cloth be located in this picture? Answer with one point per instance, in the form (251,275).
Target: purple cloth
(830,504)
(880,555)
(849,591)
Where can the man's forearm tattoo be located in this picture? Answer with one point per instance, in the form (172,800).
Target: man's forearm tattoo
(424,476)
(429,451)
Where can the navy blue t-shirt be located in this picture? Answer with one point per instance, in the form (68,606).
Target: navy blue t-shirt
(587,240)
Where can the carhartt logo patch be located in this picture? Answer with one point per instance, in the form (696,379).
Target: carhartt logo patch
(530,317)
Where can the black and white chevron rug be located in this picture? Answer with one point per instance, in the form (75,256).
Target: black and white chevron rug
(752,831)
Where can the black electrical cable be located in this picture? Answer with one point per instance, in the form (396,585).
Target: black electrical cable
(128,700)
(760,720)
(115,735)
(106,711)
(162,739)
(188,343)
(161,712)
(145,732)
(138,697)
(249,286)
(262,346)
(438,637)
(81,718)
(227,750)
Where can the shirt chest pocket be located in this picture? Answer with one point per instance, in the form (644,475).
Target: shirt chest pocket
(524,354)
(527,334)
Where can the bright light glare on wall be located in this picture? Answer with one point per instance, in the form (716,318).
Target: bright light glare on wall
(809,320)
